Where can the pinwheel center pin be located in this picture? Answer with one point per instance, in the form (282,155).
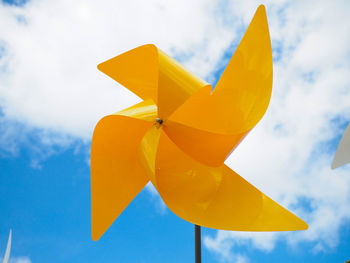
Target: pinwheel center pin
(159,122)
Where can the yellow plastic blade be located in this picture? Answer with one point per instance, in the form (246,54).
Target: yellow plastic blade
(242,95)
(176,85)
(145,110)
(137,70)
(151,74)
(208,148)
(116,173)
(148,152)
(215,197)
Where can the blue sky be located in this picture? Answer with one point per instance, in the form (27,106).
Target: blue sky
(51,96)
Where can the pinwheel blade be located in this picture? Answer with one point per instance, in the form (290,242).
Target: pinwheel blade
(8,248)
(342,155)
(242,95)
(208,148)
(215,197)
(145,110)
(176,84)
(116,173)
(148,151)
(151,74)
(136,70)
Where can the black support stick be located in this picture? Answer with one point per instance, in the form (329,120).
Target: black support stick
(197,244)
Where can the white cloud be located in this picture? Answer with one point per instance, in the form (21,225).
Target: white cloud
(20,260)
(225,241)
(49,81)
(41,143)
(51,50)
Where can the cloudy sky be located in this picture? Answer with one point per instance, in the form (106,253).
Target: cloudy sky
(52,95)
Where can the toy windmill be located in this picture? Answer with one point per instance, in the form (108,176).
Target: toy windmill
(179,136)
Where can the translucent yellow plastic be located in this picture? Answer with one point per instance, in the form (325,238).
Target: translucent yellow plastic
(117,175)
(151,74)
(181,134)
(242,94)
(214,197)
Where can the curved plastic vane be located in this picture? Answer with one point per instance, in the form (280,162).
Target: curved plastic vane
(151,74)
(116,173)
(180,135)
(8,248)
(243,92)
(342,155)
(215,197)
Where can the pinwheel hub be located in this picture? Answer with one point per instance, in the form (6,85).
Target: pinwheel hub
(159,121)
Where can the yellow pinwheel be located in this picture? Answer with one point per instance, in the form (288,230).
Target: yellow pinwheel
(179,136)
